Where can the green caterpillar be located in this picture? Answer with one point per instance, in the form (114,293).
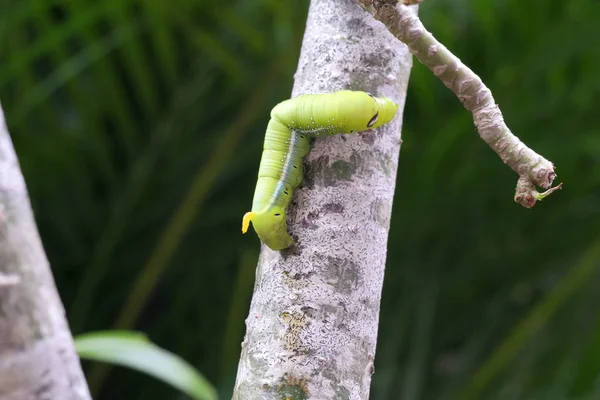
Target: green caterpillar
(293,123)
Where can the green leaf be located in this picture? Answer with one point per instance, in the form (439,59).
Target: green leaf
(134,350)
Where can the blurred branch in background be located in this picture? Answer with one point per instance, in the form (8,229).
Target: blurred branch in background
(37,356)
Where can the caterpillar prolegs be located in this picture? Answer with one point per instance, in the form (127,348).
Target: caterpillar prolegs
(293,123)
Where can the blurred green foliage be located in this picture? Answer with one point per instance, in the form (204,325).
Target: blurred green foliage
(139,127)
(134,350)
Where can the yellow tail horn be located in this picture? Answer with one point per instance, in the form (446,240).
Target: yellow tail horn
(246,221)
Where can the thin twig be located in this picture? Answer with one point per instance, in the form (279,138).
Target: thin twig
(533,169)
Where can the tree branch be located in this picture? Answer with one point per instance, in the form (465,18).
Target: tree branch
(37,356)
(533,169)
(311,332)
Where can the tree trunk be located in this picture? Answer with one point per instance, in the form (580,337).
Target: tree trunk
(312,328)
(37,357)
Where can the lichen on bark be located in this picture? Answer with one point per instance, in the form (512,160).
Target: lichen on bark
(315,308)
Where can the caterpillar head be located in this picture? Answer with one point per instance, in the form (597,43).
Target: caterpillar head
(270,226)
(385,111)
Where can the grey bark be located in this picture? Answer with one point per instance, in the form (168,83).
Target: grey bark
(37,356)
(312,328)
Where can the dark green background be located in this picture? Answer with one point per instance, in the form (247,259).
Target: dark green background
(139,127)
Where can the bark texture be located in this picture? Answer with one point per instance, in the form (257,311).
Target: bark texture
(37,357)
(312,327)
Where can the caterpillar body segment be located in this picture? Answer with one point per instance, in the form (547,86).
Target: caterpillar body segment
(287,141)
(332,113)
